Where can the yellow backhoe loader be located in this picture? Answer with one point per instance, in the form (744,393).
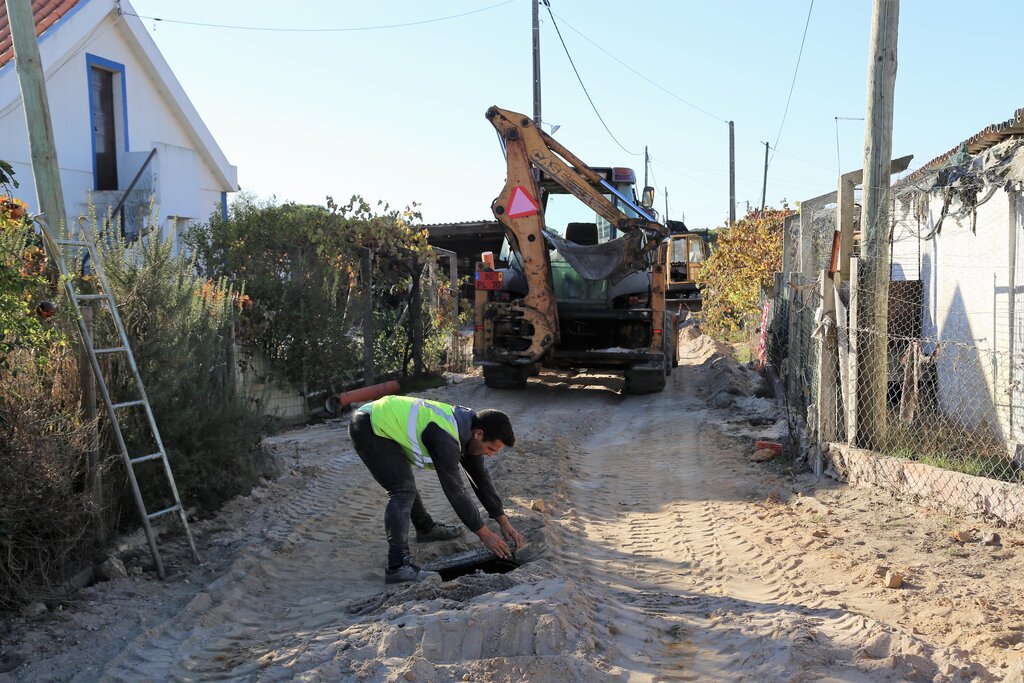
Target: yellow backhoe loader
(580,281)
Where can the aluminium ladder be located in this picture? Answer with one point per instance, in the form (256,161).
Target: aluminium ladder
(54,246)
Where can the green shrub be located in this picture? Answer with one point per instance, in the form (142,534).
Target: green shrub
(180,329)
(300,264)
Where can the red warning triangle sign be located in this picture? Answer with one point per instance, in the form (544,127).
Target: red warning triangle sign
(522,203)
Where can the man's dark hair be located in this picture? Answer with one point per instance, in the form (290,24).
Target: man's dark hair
(495,425)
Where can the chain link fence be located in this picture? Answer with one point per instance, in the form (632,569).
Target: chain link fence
(933,407)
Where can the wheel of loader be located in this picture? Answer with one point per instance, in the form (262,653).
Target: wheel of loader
(645,380)
(506,376)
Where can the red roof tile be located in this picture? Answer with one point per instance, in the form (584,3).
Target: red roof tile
(46,14)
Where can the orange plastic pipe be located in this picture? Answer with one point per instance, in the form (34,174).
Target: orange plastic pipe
(374,391)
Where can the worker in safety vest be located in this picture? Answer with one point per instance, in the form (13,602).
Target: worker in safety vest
(394,433)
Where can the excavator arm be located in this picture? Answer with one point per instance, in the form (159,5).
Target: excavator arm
(519,210)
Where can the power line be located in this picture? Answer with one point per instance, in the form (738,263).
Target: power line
(578,78)
(796,70)
(282,29)
(806,161)
(656,85)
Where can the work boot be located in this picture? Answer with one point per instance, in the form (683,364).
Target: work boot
(439,532)
(407,573)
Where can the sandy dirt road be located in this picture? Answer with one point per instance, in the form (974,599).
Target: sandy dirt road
(662,554)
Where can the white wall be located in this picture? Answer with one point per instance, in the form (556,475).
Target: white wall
(966,273)
(185,182)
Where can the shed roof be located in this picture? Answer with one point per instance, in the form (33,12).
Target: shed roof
(988,137)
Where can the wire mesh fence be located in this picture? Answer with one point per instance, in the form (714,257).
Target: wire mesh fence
(913,379)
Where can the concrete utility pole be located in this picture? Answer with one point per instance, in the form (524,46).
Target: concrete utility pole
(536,63)
(732,175)
(37,113)
(764,185)
(873,268)
(647,162)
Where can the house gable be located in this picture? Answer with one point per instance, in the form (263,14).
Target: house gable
(101,66)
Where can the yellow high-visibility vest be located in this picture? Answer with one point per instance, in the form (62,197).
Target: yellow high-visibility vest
(403,419)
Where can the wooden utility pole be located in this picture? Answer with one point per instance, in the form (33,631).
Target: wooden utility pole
(647,162)
(732,174)
(37,113)
(764,184)
(50,197)
(536,63)
(873,268)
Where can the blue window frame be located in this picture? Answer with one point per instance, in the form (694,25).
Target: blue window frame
(103,76)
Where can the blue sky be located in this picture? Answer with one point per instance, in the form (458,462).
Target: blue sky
(397,114)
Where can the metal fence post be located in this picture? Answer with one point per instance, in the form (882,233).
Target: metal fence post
(366,275)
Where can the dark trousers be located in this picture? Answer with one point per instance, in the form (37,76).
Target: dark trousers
(392,470)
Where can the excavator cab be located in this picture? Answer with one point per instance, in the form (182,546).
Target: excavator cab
(687,252)
(566,216)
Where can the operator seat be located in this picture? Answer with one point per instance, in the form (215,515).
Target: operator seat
(584,234)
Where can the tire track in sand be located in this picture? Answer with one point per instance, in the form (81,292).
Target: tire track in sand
(664,523)
(297,584)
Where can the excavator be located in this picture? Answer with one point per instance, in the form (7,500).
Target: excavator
(580,281)
(687,252)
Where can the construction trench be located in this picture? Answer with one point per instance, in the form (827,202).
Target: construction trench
(656,551)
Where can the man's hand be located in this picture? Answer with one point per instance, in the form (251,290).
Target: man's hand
(509,531)
(494,543)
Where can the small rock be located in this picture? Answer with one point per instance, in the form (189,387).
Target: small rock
(83,578)
(33,609)
(964,536)
(112,568)
(409,676)
(538,505)
(722,399)
(820,533)
(992,539)
(465,677)
(10,662)
(135,570)
(893,579)
(763,455)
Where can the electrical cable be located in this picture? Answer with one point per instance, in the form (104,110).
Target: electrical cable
(281,29)
(792,85)
(627,66)
(806,161)
(589,98)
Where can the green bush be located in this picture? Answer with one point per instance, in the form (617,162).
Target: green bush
(48,521)
(180,329)
(299,266)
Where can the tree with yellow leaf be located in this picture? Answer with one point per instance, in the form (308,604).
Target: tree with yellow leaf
(745,259)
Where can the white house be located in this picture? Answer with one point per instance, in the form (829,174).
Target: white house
(120,120)
(958,227)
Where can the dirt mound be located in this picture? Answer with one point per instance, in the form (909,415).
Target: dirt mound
(722,378)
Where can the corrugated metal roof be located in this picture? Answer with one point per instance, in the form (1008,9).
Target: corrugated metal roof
(459,223)
(979,142)
(45,12)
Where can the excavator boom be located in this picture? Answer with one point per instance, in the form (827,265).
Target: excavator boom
(528,323)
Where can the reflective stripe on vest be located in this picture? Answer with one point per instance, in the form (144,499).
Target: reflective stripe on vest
(403,420)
